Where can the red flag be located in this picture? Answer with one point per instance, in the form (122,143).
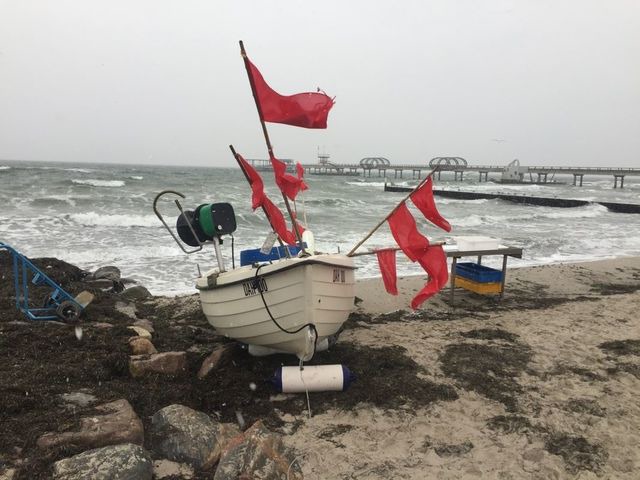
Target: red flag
(287,183)
(434,262)
(387,264)
(259,199)
(423,199)
(300,171)
(257,186)
(403,228)
(276,218)
(308,110)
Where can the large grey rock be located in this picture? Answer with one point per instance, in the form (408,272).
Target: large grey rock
(118,424)
(108,273)
(182,434)
(116,462)
(136,293)
(167,363)
(257,453)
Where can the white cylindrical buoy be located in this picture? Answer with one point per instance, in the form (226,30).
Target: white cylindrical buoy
(313,378)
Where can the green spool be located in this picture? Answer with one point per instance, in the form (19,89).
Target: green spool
(205,219)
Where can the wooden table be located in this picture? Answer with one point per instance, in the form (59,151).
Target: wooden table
(504,251)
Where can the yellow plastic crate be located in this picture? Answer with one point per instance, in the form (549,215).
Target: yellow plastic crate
(477,287)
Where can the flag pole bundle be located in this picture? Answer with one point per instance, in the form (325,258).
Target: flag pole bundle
(307,110)
(415,246)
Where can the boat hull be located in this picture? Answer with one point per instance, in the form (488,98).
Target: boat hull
(256,304)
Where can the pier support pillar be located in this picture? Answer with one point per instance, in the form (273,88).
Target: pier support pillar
(396,171)
(576,176)
(615,181)
(439,172)
(485,175)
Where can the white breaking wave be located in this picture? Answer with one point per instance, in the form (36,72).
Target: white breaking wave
(93,219)
(136,177)
(367,184)
(5,167)
(79,170)
(99,183)
(588,211)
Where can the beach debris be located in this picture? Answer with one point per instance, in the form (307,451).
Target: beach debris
(118,424)
(577,452)
(8,473)
(167,469)
(182,434)
(257,453)
(216,359)
(141,332)
(118,462)
(312,378)
(490,370)
(167,363)
(141,346)
(622,347)
(137,292)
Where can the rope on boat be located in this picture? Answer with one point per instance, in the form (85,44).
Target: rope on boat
(311,326)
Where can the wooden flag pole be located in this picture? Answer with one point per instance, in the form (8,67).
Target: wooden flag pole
(373,230)
(246,175)
(268,141)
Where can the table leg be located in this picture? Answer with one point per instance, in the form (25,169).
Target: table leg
(452,280)
(504,274)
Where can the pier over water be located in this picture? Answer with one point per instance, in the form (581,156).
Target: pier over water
(511,173)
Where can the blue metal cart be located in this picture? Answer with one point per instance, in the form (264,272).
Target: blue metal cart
(57,305)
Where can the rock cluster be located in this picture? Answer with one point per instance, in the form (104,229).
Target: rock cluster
(186,440)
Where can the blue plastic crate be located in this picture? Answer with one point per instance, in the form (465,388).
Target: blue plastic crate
(249,257)
(478,273)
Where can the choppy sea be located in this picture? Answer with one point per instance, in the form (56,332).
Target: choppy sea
(94,215)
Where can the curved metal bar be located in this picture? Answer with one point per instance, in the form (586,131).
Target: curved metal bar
(175,238)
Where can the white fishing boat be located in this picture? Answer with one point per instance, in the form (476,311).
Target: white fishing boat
(292,305)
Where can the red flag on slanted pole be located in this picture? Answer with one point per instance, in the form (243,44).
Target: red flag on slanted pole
(404,230)
(422,198)
(260,199)
(387,264)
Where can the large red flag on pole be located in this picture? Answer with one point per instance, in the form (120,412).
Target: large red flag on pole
(423,199)
(308,110)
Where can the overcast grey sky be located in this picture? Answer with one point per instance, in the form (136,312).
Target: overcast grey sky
(550,82)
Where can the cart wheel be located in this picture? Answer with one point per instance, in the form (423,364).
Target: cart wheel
(68,312)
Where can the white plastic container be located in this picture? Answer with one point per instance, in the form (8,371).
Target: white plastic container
(312,378)
(471,243)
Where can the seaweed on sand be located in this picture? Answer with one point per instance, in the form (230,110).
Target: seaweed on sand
(488,369)
(577,453)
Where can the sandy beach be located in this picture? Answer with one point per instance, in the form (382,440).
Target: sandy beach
(539,384)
